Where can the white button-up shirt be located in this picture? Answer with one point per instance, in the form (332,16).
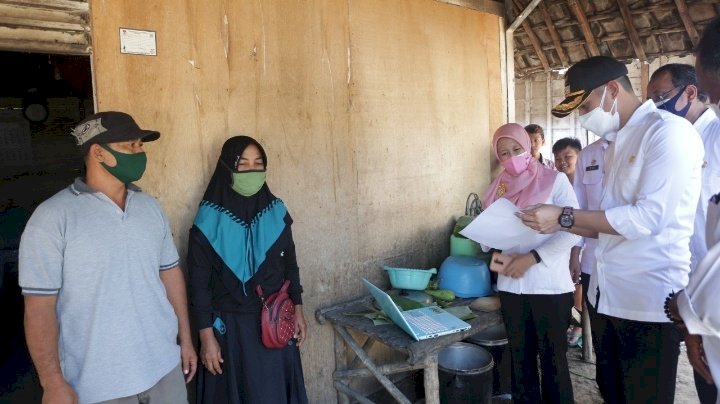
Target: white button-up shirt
(708,126)
(699,310)
(588,188)
(551,276)
(650,194)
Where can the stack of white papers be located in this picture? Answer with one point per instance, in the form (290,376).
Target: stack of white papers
(498,227)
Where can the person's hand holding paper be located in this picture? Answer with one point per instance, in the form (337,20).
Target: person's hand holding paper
(499,227)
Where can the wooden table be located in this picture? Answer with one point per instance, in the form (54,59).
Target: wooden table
(421,354)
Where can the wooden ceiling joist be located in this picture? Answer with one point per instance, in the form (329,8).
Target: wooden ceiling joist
(687,21)
(615,36)
(533,38)
(49,25)
(584,26)
(630,28)
(554,35)
(567,31)
(64,5)
(46,26)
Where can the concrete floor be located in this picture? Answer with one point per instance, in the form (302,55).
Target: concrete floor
(25,391)
(586,392)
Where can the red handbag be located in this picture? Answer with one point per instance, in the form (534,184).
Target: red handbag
(277,317)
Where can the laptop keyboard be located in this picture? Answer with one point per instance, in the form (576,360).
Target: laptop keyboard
(424,322)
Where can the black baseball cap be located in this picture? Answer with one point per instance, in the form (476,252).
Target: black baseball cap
(585,76)
(110,127)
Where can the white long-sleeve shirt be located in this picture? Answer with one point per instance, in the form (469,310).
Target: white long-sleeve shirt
(650,194)
(588,188)
(699,308)
(551,276)
(708,126)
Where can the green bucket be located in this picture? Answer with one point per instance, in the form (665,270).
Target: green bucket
(461,246)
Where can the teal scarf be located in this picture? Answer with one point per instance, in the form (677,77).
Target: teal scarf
(242,246)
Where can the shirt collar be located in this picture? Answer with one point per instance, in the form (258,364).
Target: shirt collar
(704,120)
(638,115)
(80,187)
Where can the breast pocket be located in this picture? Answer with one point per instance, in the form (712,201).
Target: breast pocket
(592,177)
(629,180)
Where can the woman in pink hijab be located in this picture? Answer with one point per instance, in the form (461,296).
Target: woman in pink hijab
(534,282)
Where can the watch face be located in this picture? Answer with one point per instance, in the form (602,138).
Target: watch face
(566,221)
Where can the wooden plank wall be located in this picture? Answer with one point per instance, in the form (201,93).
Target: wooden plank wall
(376,117)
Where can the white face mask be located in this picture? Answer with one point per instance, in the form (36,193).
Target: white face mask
(601,122)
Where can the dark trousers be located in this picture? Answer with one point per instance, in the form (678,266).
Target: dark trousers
(636,360)
(536,326)
(707,393)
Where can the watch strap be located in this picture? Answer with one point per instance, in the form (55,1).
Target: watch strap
(536,255)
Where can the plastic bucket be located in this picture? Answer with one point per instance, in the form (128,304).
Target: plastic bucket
(460,246)
(495,340)
(465,373)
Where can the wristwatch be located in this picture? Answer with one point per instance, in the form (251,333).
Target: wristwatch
(567,219)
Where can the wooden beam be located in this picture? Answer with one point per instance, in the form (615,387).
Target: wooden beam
(533,39)
(615,36)
(554,35)
(49,25)
(687,21)
(44,47)
(485,6)
(632,32)
(659,6)
(644,78)
(584,26)
(529,71)
(65,5)
(522,15)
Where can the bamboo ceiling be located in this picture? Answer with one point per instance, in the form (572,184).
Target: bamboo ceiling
(559,33)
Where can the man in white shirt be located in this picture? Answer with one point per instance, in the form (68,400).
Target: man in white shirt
(696,306)
(643,226)
(588,188)
(673,87)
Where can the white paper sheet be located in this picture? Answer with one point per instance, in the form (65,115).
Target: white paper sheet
(498,227)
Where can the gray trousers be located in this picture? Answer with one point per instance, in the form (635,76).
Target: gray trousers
(169,390)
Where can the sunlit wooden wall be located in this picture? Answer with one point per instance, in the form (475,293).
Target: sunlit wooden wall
(376,116)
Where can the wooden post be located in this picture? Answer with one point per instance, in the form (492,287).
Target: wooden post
(369,342)
(588,354)
(340,365)
(431,380)
(389,386)
(644,78)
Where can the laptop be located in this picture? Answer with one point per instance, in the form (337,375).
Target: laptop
(423,323)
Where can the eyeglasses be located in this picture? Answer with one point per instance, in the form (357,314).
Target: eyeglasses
(664,96)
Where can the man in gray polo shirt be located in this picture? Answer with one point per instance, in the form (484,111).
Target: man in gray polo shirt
(105,300)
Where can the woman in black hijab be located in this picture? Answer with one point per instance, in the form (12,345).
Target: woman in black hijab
(241,238)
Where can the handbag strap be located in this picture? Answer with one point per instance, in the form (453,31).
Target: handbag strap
(259,291)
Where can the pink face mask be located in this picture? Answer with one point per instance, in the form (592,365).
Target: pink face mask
(516,165)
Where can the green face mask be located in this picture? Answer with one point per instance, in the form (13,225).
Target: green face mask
(129,167)
(248,183)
